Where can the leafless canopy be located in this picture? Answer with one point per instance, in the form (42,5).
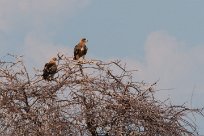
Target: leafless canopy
(87,98)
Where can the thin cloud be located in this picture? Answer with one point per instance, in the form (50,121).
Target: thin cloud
(35,13)
(177,66)
(40,50)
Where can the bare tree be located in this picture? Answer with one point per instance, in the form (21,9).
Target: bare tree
(93,98)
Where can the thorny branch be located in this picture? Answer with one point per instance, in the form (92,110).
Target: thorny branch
(86,98)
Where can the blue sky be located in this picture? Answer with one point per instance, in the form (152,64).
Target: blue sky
(162,39)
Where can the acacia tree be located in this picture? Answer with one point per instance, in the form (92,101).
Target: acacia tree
(85,98)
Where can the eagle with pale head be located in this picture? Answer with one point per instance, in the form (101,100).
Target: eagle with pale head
(50,69)
(80,49)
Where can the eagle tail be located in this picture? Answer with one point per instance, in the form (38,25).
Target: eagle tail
(45,76)
(76,57)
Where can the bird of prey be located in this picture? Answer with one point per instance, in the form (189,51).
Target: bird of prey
(50,69)
(80,49)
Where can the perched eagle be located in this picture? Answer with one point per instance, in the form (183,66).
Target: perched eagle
(50,69)
(80,49)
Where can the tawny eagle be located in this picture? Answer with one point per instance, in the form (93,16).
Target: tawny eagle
(50,69)
(80,49)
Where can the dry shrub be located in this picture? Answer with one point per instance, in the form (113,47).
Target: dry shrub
(86,98)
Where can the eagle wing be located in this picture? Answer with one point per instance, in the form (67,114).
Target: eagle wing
(76,50)
(53,69)
(85,50)
(46,67)
(46,71)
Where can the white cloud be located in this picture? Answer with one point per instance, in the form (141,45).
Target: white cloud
(40,50)
(37,12)
(177,66)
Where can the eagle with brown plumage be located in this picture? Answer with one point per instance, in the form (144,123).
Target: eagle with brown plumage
(50,69)
(80,49)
